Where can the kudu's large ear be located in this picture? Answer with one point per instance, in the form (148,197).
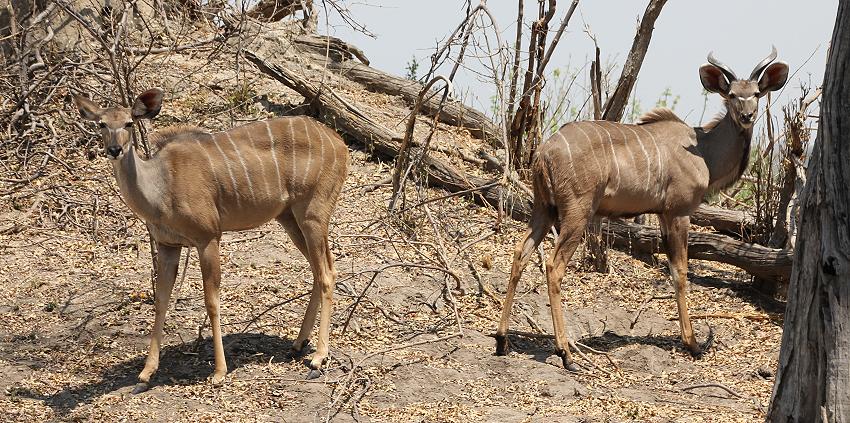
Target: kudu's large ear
(713,80)
(89,110)
(147,104)
(773,78)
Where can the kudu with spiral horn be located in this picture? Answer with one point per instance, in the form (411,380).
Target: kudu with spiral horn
(659,165)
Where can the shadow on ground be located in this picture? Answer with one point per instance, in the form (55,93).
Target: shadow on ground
(179,365)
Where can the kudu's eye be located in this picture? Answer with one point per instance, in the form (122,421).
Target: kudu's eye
(102,125)
(128,125)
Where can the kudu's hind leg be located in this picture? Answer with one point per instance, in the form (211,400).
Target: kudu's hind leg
(211,272)
(167,261)
(316,236)
(540,224)
(568,240)
(674,231)
(287,220)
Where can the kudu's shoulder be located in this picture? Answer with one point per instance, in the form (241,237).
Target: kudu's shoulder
(163,137)
(659,114)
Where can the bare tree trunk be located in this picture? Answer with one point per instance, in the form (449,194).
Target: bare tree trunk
(616,104)
(796,138)
(813,380)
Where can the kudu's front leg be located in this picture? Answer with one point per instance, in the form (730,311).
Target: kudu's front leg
(211,272)
(167,260)
(674,230)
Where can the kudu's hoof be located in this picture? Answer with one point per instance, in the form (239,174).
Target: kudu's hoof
(217,379)
(700,350)
(314,374)
(140,387)
(502,346)
(300,350)
(569,365)
(572,367)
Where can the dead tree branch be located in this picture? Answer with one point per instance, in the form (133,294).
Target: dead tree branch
(339,114)
(616,104)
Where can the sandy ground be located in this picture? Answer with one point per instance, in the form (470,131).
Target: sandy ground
(77,313)
(76,306)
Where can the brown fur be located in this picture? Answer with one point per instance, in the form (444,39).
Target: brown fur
(164,136)
(200,184)
(660,165)
(658,114)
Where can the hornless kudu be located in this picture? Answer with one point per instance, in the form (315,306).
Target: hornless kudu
(200,184)
(660,165)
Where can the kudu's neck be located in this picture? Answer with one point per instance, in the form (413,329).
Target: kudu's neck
(725,147)
(141,183)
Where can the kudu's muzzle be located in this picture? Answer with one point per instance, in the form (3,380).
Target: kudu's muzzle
(113,151)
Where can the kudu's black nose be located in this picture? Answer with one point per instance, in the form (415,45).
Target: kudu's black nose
(747,117)
(113,150)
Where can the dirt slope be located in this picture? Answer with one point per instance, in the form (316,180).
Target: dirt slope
(77,311)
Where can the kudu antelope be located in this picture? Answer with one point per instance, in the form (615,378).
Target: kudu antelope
(200,184)
(660,165)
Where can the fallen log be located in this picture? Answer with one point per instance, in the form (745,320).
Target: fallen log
(730,222)
(274,10)
(341,115)
(340,53)
(321,47)
(453,113)
(757,260)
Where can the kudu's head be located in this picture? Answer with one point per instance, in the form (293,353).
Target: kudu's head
(742,95)
(116,122)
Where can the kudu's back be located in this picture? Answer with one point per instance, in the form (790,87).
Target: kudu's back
(622,169)
(258,169)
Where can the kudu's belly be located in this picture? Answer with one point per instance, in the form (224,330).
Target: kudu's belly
(631,198)
(251,215)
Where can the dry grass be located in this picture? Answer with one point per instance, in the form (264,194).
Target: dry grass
(77,308)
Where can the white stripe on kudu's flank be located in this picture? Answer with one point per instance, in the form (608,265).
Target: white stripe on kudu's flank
(212,171)
(322,139)
(244,167)
(309,155)
(658,157)
(259,160)
(274,159)
(334,153)
(590,141)
(613,154)
(229,171)
(292,146)
(569,153)
(626,142)
(645,154)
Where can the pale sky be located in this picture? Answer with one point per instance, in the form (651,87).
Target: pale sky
(740,32)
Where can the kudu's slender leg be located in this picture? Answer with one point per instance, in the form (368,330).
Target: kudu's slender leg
(287,220)
(167,259)
(540,223)
(315,232)
(211,273)
(568,240)
(674,230)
